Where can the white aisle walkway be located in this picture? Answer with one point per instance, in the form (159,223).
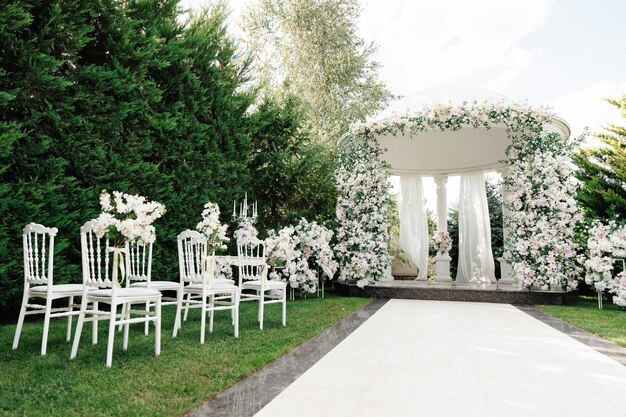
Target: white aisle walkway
(431,358)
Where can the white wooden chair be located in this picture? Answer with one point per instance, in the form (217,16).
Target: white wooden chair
(197,281)
(139,274)
(253,276)
(38,271)
(101,280)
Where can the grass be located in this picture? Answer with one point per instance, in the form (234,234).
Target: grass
(609,323)
(139,384)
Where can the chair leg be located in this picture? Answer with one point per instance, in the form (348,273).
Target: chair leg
(236,313)
(46,326)
(126,327)
(146,330)
(124,308)
(157,329)
(20,321)
(179,306)
(187,307)
(284,307)
(109,360)
(94,325)
(203,319)
(211,305)
(70,308)
(261,303)
(79,327)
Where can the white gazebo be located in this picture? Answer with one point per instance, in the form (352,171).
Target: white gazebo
(469,152)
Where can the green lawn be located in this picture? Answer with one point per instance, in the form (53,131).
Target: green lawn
(609,323)
(139,384)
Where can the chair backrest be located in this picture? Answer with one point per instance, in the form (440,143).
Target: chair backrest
(38,254)
(97,261)
(192,256)
(138,262)
(251,256)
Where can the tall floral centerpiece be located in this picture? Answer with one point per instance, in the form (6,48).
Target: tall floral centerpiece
(248,213)
(215,233)
(303,255)
(126,218)
(442,242)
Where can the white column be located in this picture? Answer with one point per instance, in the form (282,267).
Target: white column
(442,202)
(506,273)
(442,259)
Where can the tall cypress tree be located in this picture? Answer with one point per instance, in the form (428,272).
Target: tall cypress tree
(602,172)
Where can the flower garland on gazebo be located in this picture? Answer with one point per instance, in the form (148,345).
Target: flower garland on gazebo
(542,210)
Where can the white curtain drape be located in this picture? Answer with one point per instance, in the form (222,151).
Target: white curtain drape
(475,255)
(413,222)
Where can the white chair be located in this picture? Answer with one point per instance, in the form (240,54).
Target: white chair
(38,271)
(197,281)
(253,276)
(100,277)
(139,274)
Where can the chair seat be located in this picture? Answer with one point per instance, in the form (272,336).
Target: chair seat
(157,285)
(224,281)
(59,289)
(269,284)
(126,292)
(217,286)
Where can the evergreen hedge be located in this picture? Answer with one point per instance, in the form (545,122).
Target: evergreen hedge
(129,96)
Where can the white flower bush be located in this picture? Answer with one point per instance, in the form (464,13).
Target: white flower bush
(299,251)
(211,227)
(442,242)
(127,218)
(223,268)
(543,211)
(606,244)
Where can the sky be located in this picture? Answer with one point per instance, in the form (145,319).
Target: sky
(569,54)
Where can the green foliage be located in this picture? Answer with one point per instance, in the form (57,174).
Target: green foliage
(294,178)
(494,203)
(311,49)
(602,172)
(138,384)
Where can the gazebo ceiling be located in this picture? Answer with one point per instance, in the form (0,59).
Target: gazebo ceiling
(449,152)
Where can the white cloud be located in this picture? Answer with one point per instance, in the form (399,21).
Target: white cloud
(588,107)
(430,43)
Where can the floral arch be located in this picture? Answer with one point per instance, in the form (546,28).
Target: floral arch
(541,209)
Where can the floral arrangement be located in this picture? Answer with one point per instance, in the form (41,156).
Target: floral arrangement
(447,116)
(246,232)
(223,268)
(299,251)
(211,227)
(605,244)
(542,208)
(362,204)
(127,218)
(442,242)
(542,213)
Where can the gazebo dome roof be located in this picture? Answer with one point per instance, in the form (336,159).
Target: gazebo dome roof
(449,152)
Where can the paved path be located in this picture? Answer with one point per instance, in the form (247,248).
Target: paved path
(431,358)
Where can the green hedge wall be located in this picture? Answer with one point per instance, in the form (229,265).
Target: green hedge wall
(129,96)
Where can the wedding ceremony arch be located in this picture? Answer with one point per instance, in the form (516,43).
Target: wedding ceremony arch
(467,132)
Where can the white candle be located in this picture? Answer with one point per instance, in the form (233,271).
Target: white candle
(234,203)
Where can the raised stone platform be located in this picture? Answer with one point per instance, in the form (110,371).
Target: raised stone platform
(452,291)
